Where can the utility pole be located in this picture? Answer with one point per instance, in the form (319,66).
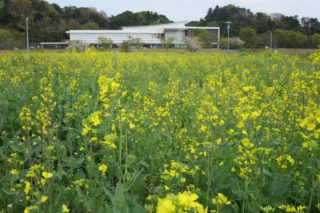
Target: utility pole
(228,28)
(27,32)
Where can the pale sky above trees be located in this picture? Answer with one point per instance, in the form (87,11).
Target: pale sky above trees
(188,10)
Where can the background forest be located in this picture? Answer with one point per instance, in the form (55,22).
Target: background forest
(49,22)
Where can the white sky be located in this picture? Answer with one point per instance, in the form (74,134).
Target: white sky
(190,10)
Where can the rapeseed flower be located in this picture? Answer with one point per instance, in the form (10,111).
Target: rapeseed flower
(102,168)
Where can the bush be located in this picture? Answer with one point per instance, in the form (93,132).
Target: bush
(77,45)
(167,43)
(203,36)
(289,38)
(316,40)
(8,39)
(125,46)
(247,35)
(128,45)
(136,43)
(192,44)
(262,40)
(104,43)
(233,42)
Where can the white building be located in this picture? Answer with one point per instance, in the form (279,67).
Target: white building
(150,35)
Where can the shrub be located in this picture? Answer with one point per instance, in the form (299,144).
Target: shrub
(203,36)
(192,44)
(167,42)
(316,40)
(128,45)
(136,43)
(247,35)
(289,38)
(105,43)
(8,39)
(233,42)
(77,45)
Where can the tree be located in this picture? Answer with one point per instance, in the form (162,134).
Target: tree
(129,18)
(247,35)
(233,42)
(316,40)
(77,45)
(105,43)
(136,43)
(203,36)
(167,43)
(125,46)
(128,45)
(90,26)
(262,40)
(8,40)
(289,38)
(192,44)
(240,17)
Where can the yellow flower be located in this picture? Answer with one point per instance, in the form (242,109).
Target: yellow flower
(218,141)
(103,168)
(166,206)
(47,175)
(44,199)
(246,142)
(131,125)
(289,208)
(95,118)
(187,199)
(27,187)
(267,209)
(30,208)
(14,172)
(221,199)
(64,208)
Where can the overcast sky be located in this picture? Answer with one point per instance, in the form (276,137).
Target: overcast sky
(188,10)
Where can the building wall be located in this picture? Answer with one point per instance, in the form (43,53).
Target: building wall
(151,35)
(214,35)
(178,35)
(117,38)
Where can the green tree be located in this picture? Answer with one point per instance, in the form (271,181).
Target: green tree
(136,43)
(105,43)
(192,44)
(8,40)
(78,45)
(125,46)
(90,26)
(247,35)
(203,36)
(167,43)
(234,42)
(316,40)
(289,38)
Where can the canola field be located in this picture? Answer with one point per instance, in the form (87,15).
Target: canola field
(159,132)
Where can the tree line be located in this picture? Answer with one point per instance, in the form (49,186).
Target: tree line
(49,22)
(288,31)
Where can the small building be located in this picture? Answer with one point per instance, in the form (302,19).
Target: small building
(150,35)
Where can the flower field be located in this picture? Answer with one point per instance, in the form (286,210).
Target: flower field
(157,132)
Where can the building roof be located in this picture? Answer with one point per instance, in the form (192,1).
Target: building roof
(112,31)
(158,28)
(53,43)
